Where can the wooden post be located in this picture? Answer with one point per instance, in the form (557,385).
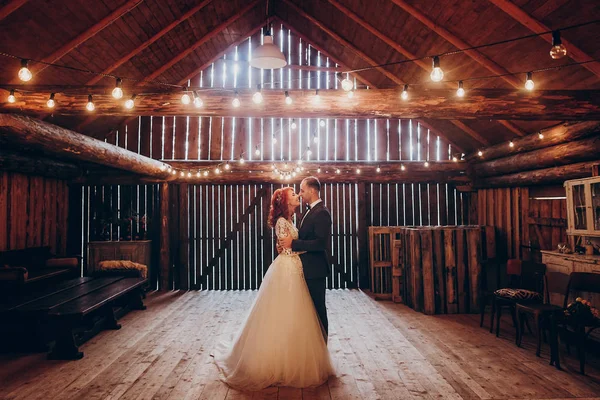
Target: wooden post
(461,271)
(416,270)
(450,261)
(184,240)
(427,271)
(363,243)
(474,257)
(439,271)
(165,251)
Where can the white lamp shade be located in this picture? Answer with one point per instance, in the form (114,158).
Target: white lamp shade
(268,55)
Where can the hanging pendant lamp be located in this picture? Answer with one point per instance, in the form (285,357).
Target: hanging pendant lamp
(268,55)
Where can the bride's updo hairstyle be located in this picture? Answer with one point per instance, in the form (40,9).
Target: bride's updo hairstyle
(279,205)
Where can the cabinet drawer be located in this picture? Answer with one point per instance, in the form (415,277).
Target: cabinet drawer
(586,267)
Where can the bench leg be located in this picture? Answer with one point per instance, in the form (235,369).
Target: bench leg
(111,321)
(65,347)
(136,301)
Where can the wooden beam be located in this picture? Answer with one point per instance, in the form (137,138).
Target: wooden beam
(32,134)
(562,154)
(164,266)
(481,104)
(471,132)
(343,42)
(513,128)
(479,57)
(563,133)
(10,6)
(82,37)
(39,166)
(536,26)
(547,176)
(148,42)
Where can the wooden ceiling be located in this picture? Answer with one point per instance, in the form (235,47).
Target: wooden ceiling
(172,40)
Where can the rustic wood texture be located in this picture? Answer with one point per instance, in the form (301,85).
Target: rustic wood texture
(33,212)
(483,104)
(168,356)
(38,166)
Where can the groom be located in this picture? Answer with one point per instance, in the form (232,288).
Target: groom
(313,235)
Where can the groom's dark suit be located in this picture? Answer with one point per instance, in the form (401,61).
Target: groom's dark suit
(313,237)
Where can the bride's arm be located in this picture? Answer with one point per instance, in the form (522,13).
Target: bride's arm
(322,232)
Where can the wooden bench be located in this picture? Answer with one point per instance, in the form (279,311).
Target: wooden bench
(64,309)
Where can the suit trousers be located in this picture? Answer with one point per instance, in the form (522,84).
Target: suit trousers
(316,287)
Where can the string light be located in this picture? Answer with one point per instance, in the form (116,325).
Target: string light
(129,104)
(529,81)
(257,98)
(426,164)
(315,138)
(182,173)
(236,100)
(350,94)
(174,172)
(11,96)
(480,153)
(337,171)
(288,99)
(274,139)
(402,167)
(358,170)
(460,92)
(24,73)
(117,92)
(227,166)
(197,100)
(540,135)
(242,160)
(347,84)
(404,94)
(185,98)
(294,126)
(454,159)
(217,170)
(436,74)
(257,151)
(558,49)
(198,174)
(90,104)
(205,173)
(189,174)
(378,169)
(308,151)
(317,96)
(511,144)
(322,123)
(319,170)
(51,103)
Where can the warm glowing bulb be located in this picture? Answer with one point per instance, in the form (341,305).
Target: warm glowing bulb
(308,151)
(257,98)
(117,92)
(51,103)
(294,126)
(186,99)
(257,151)
(460,92)
(322,123)
(11,97)
(378,169)
(274,140)
(315,139)
(205,173)
(347,85)
(558,49)
(319,170)
(182,173)
(198,174)
(404,94)
(480,153)
(402,167)
(436,74)
(197,101)
(130,103)
(317,96)
(90,104)
(288,99)
(529,82)
(540,135)
(242,160)
(189,174)
(426,164)
(358,170)
(511,144)
(337,171)
(227,166)
(454,159)
(236,102)
(350,94)
(217,170)
(24,73)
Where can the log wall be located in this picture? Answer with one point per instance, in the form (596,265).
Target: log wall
(33,212)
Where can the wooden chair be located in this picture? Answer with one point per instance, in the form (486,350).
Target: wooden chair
(525,286)
(582,282)
(545,315)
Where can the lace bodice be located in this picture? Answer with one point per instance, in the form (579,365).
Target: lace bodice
(284,228)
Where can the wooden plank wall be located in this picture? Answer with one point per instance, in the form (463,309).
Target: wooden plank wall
(523,218)
(33,212)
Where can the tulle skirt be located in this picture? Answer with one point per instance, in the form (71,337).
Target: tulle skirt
(281,341)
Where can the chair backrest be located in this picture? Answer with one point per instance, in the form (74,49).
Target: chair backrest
(555,283)
(583,282)
(532,276)
(490,274)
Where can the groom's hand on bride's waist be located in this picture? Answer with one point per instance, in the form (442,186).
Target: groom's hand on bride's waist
(286,242)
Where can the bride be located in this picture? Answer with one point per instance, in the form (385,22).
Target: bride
(281,342)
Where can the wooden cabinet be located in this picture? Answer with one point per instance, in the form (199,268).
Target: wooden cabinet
(583,206)
(138,251)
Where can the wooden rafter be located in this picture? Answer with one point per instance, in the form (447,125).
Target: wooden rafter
(82,37)
(513,128)
(10,7)
(148,42)
(471,132)
(536,26)
(361,54)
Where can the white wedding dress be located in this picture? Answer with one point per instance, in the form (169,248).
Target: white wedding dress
(281,341)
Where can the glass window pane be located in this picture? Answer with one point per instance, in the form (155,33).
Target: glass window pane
(579,207)
(595,187)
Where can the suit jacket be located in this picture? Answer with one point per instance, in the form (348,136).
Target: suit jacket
(313,237)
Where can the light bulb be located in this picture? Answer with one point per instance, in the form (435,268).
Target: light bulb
(288,99)
(293,126)
(227,166)
(185,99)
(90,104)
(436,74)
(174,172)
(337,171)
(315,139)
(298,169)
(242,160)
(130,103)
(558,49)
(460,92)
(51,103)
(308,151)
(317,96)
(480,153)
(205,173)
(274,140)
(236,101)
(404,94)
(540,135)
(350,94)
(24,73)
(189,174)
(198,174)
(529,82)
(378,169)
(511,144)
(182,173)
(426,164)
(319,170)
(454,159)
(322,123)
(257,98)
(402,167)
(117,92)
(257,151)
(347,85)
(11,96)
(358,170)
(217,170)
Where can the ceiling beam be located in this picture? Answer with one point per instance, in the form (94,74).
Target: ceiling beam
(471,132)
(10,6)
(343,42)
(536,26)
(79,39)
(148,42)
(481,104)
(479,57)
(513,128)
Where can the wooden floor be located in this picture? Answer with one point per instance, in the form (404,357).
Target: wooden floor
(381,350)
